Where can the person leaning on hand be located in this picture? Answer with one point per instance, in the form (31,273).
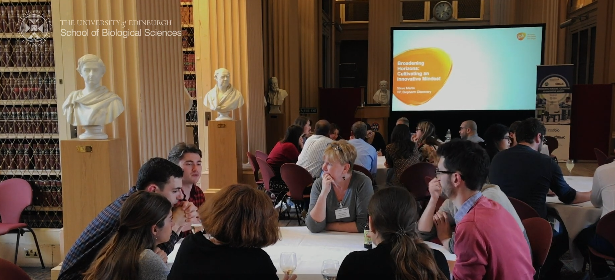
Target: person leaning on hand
(339,198)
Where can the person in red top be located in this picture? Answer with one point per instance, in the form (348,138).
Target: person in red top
(287,150)
(188,157)
(489,244)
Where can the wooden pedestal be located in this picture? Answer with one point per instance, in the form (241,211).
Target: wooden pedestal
(224,163)
(94,174)
(275,129)
(375,114)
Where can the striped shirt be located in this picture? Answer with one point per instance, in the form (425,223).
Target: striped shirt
(311,157)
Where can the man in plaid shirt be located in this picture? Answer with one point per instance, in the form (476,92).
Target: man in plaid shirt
(188,157)
(156,175)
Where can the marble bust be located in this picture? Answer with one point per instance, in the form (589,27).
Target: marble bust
(275,96)
(382,96)
(93,106)
(223,98)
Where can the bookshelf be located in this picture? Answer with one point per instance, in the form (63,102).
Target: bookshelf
(189,66)
(29,136)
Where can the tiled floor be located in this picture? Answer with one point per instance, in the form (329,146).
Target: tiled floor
(580,169)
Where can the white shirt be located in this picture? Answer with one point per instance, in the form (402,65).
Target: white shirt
(603,188)
(311,157)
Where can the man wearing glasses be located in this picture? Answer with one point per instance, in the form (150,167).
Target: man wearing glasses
(525,174)
(481,222)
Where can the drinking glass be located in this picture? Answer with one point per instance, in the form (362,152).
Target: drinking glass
(288,262)
(329,269)
(570,165)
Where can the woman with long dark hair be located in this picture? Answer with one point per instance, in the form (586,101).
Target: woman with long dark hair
(400,253)
(306,124)
(427,141)
(496,138)
(400,154)
(287,150)
(145,221)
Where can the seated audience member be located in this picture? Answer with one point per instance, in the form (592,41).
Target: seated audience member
(512,130)
(603,196)
(375,139)
(306,124)
(156,175)
(339,198)
(310,157)
(145,221)
(523,173)
(489,243)
(366,153)
(426,225)
(400,154)
(400,252)
(496,139)
(427,142)
(287,150)
(469,131)
(188,157)
(239,222)
(334,132)
(404,121)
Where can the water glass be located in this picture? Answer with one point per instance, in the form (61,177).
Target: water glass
(288,262)
(329,269)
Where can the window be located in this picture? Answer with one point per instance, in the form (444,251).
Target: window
(356,11)
(421,10)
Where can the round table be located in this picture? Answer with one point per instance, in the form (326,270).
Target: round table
(576,217)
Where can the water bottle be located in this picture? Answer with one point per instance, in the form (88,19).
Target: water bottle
(448,136)
(367,241)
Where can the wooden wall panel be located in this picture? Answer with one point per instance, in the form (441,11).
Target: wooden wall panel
(311,53)
(146,72)
(502,12)
(282,52)
(544,11)
(383,14)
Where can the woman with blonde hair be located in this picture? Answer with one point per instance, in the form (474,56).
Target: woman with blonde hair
(400,253)
(339,198)
(239,221)
(426,141)
(145,222)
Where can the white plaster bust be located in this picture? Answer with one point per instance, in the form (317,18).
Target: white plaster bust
(93,106)
(275,96)
(223,98)
(382,96)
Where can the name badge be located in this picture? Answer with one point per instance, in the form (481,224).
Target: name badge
(342,213)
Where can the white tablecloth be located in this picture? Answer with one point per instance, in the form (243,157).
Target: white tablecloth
(576,217)
(313,248)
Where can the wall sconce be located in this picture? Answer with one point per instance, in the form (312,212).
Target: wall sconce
(572,20)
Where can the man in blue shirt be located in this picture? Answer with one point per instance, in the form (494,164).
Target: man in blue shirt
(366,153)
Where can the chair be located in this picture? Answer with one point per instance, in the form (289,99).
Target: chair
(15,195)
(271,183)
(255,169)
(539,233)
(413,179)
(364,170)
(600,157)
(605,229)
(12,271)
(552,143)
(260,154)
(523,209)
(297,179)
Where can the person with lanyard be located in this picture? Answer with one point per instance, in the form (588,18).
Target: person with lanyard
(339,198)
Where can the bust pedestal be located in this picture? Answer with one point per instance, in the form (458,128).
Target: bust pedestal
(94,174)
(224,149)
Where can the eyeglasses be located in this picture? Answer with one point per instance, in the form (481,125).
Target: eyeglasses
(438,172)
(507,138)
